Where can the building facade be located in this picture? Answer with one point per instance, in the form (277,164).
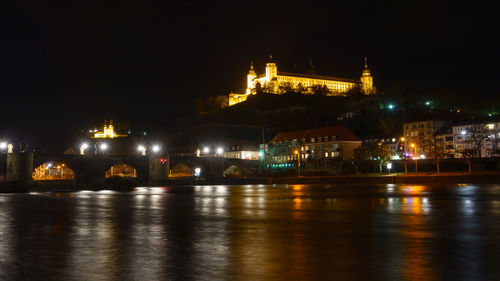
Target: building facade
(446,140)
(272,79)
(484,138)
(335,143)
(418,134)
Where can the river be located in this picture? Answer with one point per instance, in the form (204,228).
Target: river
(255,232)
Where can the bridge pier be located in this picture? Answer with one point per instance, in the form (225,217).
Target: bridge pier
(212,168)
(20,167)
(158,169)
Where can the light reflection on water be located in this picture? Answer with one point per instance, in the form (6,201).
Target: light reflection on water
(255,232)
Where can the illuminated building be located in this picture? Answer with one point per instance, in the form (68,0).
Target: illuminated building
(272,79)
(420,133)
(108,132)
(315,146)
(242,150)
(483,138)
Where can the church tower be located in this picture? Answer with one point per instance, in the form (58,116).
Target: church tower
(366,80)
(251,79)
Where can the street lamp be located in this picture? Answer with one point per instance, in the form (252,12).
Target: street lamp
(220,150)
(3,145)
(416,158)
(206,150)
(298,161)
(389,167)
(103,147)
(155,148)
(83,146)
(142,149)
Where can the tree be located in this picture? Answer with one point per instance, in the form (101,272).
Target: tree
(269,87)
(320,90)
(300,89)
(435,148)
(468,154)
(474,139)
(355,93)
(477,136)
(285,87)
(379,152)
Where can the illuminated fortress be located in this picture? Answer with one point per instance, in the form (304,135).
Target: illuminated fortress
(273,81)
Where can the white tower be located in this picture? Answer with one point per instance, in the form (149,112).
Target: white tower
(271,70)
(366,80)
(251,79)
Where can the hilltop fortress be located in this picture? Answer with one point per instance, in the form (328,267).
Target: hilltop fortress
(274,82)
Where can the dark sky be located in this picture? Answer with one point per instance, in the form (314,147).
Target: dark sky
(66,64)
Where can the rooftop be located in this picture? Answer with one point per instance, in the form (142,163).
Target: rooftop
(321,77)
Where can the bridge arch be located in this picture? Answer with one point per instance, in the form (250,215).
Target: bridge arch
(181,170)
(240,167)
(122,170)
(50,171)
(125,168)
(235,171)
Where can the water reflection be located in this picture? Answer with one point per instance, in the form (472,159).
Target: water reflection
(255,232)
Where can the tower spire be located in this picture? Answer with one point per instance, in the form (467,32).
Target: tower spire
(366,63)
(251,71)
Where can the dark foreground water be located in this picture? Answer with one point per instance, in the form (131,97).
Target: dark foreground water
(255,232)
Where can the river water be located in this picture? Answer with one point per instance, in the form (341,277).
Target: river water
(255,232)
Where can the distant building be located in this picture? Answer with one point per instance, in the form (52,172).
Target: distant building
(238,149)
(272,79)
(242,150)
(108,132)
(419,133)
(482,137)
(444,137)
(315,144)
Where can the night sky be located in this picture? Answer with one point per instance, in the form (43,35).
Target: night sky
(65,65)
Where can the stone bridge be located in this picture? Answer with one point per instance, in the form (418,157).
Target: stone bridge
(91,169)
(214,167)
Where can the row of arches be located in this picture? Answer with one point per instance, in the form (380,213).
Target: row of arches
(60,171)
(51,171)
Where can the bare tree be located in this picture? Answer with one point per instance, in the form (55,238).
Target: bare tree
(469,154)
(474,140)
(435,148)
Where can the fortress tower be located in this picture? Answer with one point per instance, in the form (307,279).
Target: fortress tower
(366,80)
(251,78)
